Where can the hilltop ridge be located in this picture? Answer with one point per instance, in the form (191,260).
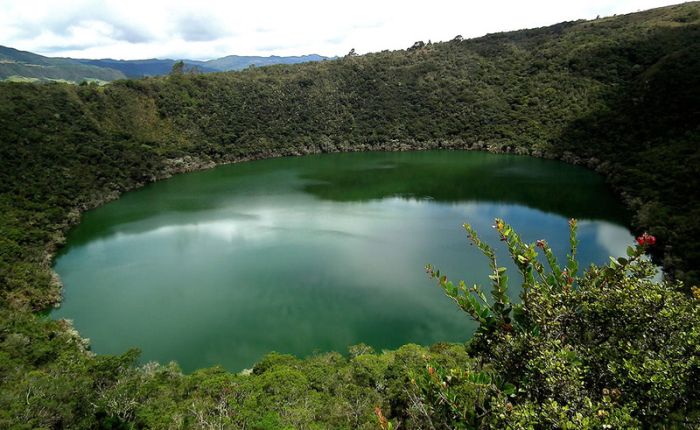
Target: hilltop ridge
(24,66)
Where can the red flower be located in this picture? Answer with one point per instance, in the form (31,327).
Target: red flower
(646,240)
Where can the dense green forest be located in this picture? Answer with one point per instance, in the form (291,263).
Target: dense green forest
(609,347)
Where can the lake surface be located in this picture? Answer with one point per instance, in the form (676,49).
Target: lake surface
(313,254)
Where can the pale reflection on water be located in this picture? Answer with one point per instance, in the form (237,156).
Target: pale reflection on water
(245,266)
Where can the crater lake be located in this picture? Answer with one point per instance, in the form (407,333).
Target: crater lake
(312,254)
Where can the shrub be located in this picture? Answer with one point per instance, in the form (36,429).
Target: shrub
(610,348)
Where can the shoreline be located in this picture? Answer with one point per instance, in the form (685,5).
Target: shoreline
(192,163)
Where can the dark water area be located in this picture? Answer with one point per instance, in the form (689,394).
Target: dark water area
(313,254)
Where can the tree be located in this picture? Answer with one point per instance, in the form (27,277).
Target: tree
(178,68)
(418,45)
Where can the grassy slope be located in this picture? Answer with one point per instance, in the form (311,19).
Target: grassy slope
(21,64)
(618,94)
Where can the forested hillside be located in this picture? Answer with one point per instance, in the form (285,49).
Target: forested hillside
(620,95)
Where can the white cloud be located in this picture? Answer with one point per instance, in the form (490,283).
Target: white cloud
(206,29)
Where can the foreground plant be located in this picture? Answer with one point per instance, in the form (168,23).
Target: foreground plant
(607,349)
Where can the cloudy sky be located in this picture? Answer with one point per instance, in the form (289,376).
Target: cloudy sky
(205,29)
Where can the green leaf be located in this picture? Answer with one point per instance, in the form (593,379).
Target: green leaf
(508,389)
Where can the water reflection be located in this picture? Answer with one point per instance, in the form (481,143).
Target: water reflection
(221,267)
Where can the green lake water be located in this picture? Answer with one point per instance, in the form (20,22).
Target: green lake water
(313,254)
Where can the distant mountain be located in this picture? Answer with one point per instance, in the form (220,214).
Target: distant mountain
(239,62)
(150,67)
(26,66)
(155,67)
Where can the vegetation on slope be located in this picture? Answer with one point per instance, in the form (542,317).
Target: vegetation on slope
(21,65)
(156,67)
(240,62)
(609,349)
(143,68)
(617,94)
